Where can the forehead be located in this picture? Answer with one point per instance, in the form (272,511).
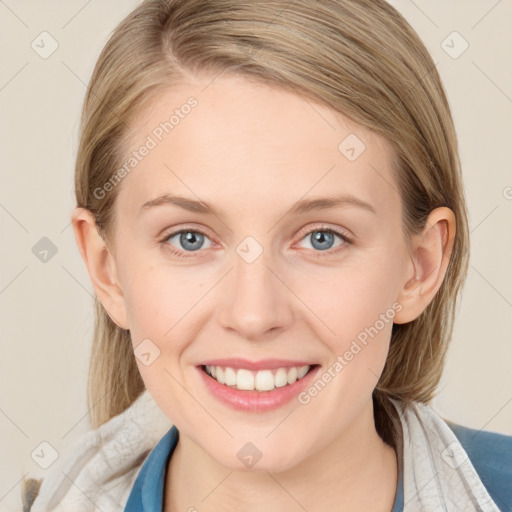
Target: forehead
(241,144)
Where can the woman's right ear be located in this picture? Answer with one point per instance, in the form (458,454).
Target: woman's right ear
(100,264)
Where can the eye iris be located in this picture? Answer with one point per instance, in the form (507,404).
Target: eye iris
(189,237)
(321,236)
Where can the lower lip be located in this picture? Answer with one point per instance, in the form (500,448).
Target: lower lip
(256,401)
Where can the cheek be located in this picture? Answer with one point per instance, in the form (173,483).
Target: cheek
(159,304)
(146,304)
(356,322)
(351,299)
(156,297)
(353,308)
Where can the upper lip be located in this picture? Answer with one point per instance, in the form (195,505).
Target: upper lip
(262,364)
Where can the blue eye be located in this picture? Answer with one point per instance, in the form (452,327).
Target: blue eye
(321,239)
(189,241)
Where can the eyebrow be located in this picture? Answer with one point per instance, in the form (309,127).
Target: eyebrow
(302,206)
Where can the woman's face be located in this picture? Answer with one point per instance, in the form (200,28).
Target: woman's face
(257,280)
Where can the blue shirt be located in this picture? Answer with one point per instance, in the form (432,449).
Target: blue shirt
(489,452)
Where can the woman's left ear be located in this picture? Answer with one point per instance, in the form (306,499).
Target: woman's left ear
(431,253)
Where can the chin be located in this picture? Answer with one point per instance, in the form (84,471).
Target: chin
(250,458)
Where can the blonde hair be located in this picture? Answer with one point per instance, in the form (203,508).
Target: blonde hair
(360,58)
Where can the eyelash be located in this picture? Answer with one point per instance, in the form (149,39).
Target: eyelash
(347,241)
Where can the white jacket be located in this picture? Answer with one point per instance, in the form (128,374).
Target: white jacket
(99,473)
(99,470)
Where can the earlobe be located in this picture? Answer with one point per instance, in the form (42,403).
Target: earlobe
(100,265)
(429,261)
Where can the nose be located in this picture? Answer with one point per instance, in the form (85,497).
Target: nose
(256,299)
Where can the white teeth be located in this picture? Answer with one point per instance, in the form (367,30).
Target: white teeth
(230,376)
(263,380)
(219,375)
(244,380)
(281,378)
(302,371)
(292,375)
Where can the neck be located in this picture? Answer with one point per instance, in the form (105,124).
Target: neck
(356,472)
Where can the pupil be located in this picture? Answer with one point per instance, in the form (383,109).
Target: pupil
(189,238)
(321,237)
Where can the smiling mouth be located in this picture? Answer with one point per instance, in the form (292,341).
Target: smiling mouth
(262,380)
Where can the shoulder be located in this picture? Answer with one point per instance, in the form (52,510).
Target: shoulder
(99,469)
(491,455)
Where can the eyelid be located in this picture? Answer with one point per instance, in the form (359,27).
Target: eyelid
(343,233)
(168,232)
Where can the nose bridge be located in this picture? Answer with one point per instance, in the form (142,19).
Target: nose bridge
(257,300)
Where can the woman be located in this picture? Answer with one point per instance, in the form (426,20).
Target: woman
(271,211)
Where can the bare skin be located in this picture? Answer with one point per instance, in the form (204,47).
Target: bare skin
(252,152)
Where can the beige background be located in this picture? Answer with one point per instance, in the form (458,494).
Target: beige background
(46,308)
